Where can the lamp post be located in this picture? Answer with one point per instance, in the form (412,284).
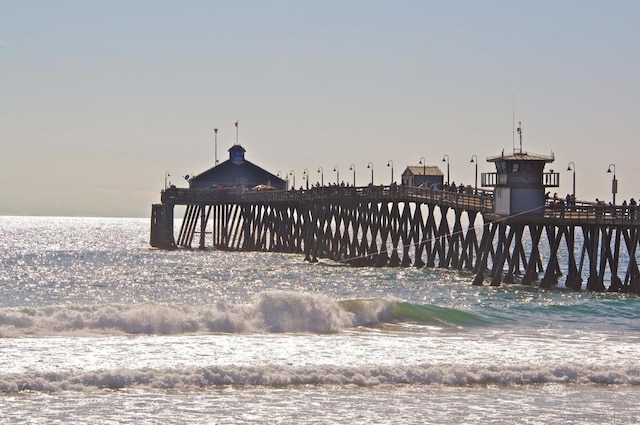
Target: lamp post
(370,165)
(474,159)
(445,158)
(321,171)
(286,181)
(352,167)
(390,164)
(215,132)
(423,162)
(614,182)
(337,170)
(305,175)
(572,167)
(293,173)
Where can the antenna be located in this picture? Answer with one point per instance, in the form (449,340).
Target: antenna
(513,122)
(520,134)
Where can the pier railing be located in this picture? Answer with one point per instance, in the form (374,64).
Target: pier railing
(481,202)
(592,213)
(581,212)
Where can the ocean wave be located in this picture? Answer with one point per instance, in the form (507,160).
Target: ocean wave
(282,376)
(268,312)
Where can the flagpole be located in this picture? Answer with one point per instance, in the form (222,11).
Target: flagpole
(236,132)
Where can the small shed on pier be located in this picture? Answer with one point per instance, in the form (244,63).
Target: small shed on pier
(423,176)
(237,173)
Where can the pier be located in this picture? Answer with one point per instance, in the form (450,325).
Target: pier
(506,232)
(390,226)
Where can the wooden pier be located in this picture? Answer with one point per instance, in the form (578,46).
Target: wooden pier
(410,226)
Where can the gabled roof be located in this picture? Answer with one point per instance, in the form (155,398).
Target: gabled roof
(227,171)
(419,170)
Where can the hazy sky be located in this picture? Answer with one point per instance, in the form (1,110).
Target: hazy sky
(100,98)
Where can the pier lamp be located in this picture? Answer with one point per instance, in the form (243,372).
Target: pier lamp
(215,154)
(285,178)
(166,175)
(305,175)
(423,162)
(321,171)
(445,158)
(614,182)
(390,164)
(337,170)
(370,165)
(293,173)
(572,167)
(352,167)
(474,159)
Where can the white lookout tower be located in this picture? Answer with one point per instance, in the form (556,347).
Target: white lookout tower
(520,181)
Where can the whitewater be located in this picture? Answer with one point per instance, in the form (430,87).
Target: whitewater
(97,327)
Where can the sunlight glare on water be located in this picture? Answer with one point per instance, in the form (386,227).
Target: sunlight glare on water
(97,327)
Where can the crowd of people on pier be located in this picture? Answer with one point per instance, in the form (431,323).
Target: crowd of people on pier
(624,210)
(370,189)
(568,200)
(453,187)
(461,188)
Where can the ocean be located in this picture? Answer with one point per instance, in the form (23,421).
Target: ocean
(97,327)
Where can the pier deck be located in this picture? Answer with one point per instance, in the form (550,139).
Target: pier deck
(583,213)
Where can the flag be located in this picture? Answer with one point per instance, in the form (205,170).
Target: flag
(236,123)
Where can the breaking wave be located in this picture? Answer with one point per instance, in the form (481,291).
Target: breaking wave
(268,312)
(282,376)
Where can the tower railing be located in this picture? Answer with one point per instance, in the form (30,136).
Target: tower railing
(550,179)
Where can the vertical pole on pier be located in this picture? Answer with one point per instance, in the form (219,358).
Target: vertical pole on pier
(513,261)
(162,226)
(554,238)
(634,273)
(614,182)
(592,241)
(502,249)
(215,144)
(203,225)
(470,249)
(573,281)
(417,237)
(429,236)
(531,273)
(486,242)
(445,158)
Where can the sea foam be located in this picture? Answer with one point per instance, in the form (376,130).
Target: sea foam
(279,376)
